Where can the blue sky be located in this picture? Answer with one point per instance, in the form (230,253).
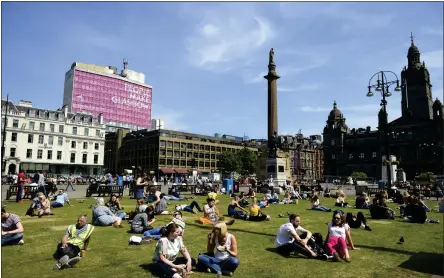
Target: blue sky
(205,61)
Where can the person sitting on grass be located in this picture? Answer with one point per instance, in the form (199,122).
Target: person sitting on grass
(340,201)
(213,195)
(232,212)
(53,194)
(362,202)
(263,203)
(12,229)
(139,203)
(165,259)
(379,209)
(356,221)
(251,194)
(243,200)
(115,206)
(35,205)
(288,241)
(416,212)
(441,205)
(74,243)
(211,214)
(103,216)
(316,204)
(157,232)
(44,206)
(273,198)
(143,220)
(189,208)
(338,233)
(256,213)
(225,260)
(61,198)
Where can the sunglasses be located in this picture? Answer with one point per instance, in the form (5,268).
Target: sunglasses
(337,218)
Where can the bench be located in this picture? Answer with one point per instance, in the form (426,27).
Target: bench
(104,190)
(373,191)
(30,191)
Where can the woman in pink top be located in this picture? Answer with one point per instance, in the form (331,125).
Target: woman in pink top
(338,233)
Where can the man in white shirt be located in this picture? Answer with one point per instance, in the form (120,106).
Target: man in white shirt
(288,240)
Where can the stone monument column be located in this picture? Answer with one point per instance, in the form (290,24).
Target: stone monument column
(272,78)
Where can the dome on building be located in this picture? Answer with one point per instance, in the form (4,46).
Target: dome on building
(437,103)
(413,50)
(335,113)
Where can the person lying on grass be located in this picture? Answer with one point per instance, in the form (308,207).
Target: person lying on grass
(74,243)
(157,232)
(189,208)
(103,216)
(288,241)
(232,212)
(338,233)
(224,260)
(166,262)
(61,198)
(316,204)
(143,220)
(380,210)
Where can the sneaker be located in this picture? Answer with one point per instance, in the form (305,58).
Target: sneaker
(208,270)
(57,266)
(227,273)
(21,242)
(281,215)
(72,262)
(336,257)
(368,228)
(146,241)
(348,260)
(219,275)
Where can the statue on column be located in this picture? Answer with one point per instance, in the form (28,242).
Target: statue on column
(273,145)
(271,57)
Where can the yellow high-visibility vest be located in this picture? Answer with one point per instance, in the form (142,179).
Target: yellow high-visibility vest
(79,240)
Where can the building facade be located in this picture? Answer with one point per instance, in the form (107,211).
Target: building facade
(416,138)
(58,142)
(163,151)
(123,99)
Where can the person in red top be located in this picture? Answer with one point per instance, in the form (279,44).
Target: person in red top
(21,183)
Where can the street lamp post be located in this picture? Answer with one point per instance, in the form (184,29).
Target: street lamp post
(382,85)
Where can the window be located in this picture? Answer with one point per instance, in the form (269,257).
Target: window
(98,132)
(12,152)
(51,127)
(41,138)
(374,154)
(29,153)
(49,156)
(96,146)
(59,155)
(74,130)
(15,123)
(73,158)
(85,145)
(361,155)
(96,159)
(39,154)
(30,138)
(73,144)
(333,156)
(333,142)
(42,126)
(60,140)
(14,137)
(51,140)
(84,158)
(86,131)
(31,125)
(350,156)
(61,128)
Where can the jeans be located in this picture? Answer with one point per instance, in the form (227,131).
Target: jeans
(190,208)
(356,223)
(70,184)
(19,196)
(217,265)
(56,205)
(166,270)
(154,233)
(42,188)
(236,214)
(12,239)
(172,198)
(121,215)
(321,208)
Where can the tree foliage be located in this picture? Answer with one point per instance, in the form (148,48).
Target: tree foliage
(428,176)
(228,162)
(243,162)
(358,175)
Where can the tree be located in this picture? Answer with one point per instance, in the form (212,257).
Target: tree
(358,175)
(428,176)
(247,161)
(228,162)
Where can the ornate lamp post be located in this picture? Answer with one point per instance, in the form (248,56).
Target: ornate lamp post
(382,85)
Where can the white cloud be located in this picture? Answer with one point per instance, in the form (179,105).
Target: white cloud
(227,38)
(357,108)
(301,88)
(172,118)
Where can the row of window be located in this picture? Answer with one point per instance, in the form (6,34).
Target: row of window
(42,127)
(178,154)
(361,155)
(41,140)
(189,163)
(59,155)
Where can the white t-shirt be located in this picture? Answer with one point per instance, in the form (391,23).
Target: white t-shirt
(223,255)
(169,249)
(284,235)
(212,212)
(336,231)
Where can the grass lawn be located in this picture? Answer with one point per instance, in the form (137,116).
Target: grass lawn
(110,255)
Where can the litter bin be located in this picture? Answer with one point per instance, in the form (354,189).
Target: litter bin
(236,187)
(228,185)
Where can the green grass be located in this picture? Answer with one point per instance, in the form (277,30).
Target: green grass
(111,256)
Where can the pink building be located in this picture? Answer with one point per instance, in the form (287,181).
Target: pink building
(124,99)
